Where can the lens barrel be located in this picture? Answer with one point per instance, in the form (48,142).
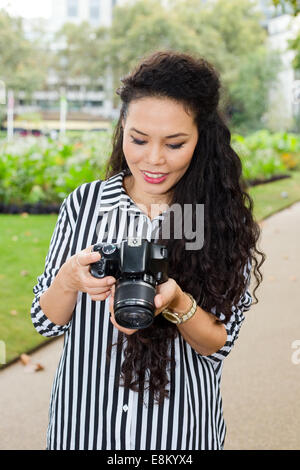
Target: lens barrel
(134,303)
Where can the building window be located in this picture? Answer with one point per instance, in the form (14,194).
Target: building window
(72,8)
(94,9)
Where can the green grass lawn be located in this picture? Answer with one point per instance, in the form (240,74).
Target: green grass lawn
(24,244)
(268,197)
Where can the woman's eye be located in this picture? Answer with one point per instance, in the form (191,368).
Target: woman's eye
(175,146)
(142,142)
(136,141)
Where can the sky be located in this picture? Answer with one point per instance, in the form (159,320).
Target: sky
(28,8)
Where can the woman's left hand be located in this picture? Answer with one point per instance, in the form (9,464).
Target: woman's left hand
(167,294)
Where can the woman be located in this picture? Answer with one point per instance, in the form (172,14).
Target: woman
(158,387)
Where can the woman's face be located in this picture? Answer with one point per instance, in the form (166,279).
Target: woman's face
(159,139)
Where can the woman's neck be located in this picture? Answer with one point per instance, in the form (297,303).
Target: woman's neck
(146,202)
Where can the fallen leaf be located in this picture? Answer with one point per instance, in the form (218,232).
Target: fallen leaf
(35,240)
(285,257)
(25,359)
(28,234)
(30,366)
(15,238)
(24,214)
(293,278)
(2,276)
(33,367)
(24,273)
(13,312)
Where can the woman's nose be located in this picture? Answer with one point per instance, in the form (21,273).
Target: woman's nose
(155,155)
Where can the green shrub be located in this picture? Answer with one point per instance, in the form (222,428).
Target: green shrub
(38,169)
(263,154)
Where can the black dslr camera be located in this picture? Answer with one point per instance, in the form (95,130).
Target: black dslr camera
(138,266)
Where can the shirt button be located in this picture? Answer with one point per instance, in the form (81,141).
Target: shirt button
(125,408)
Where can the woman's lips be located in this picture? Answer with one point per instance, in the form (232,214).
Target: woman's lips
(156,180)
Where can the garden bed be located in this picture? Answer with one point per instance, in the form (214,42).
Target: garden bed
(41,208)
(36,208)
(257,181)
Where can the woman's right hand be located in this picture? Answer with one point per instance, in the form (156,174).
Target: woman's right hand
(76,276)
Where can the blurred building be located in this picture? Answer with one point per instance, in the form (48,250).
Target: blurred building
(96,12)
(83,104)
(284,97)
(280,28)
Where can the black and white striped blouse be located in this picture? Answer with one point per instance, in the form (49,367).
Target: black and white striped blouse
(88,409)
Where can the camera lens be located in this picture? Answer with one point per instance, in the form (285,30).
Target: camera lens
(134,303)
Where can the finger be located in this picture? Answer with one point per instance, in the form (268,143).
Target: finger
(88,257)
(104,283)
(97,290)
(158,300)
(103,296)
(88,249)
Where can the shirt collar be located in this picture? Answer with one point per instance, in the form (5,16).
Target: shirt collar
(114,195)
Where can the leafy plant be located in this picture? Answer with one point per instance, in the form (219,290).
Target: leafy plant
(38,169)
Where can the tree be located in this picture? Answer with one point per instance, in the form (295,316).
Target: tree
(249,93)
(23,64)
(288,6)
(141,27)
(79,53)
(228,34)
(294,44)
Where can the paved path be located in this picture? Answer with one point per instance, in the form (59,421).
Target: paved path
(24,400)
(260,384)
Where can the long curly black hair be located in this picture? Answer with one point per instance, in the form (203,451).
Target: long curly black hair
(214,275)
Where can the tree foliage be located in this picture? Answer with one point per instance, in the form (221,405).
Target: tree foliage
(294,44)
(288,6)
(23,64)
(79,53)
(228,34)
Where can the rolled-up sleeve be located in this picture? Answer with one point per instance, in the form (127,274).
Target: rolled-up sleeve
(58,253)
(234,324)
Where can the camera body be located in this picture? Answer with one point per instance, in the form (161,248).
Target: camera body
(138,266)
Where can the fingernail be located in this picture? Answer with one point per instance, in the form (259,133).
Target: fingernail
(110,281)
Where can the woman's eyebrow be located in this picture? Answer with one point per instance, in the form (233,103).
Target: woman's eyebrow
(167,136)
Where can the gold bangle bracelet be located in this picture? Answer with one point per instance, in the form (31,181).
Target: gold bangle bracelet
(177,318)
